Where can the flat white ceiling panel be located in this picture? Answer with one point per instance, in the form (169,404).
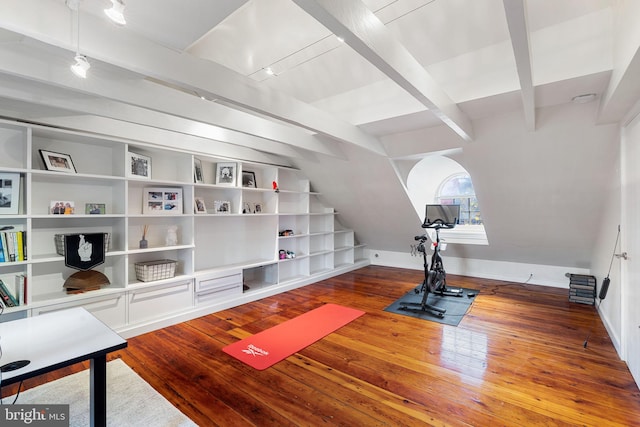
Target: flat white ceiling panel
(446,29)
(546,13)
(259,35)
(173,23)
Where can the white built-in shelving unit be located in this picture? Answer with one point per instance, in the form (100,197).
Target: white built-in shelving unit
(223,259)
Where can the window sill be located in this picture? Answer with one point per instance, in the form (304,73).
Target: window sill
(462,234)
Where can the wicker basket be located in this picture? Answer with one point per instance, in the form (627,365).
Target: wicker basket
(59,239)
(155,270)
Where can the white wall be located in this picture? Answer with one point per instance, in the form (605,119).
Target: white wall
(602,256)
(537,274)
(423,190)
(543,194)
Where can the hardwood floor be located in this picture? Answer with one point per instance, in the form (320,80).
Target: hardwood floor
(516,359)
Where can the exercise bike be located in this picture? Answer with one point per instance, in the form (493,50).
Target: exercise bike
(435,278)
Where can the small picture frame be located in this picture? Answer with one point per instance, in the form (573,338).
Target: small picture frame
(162,201)
(198,176)
(95,209)
(249,179)
(247,207)
(222,206)
(9,193)
(257,208)
(226,173)
(199,206)
(57,161)
(138,166)
(61,207)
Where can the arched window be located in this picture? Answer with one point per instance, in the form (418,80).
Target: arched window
(441,180)
(458,189)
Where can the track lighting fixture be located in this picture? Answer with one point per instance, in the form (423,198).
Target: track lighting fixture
(116,12)
(73,4)
(81,66)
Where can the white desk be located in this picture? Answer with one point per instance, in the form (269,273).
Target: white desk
(58,339)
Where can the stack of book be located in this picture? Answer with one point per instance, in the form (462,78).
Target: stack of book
(13,296)
(13,246)
(582,289)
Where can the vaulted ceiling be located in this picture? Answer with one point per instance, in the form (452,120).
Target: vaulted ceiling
(308,73)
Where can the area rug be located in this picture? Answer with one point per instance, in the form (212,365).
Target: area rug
(456,307)
(131,401)
(272,345)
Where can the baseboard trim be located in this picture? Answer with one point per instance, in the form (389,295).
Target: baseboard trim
(547,275)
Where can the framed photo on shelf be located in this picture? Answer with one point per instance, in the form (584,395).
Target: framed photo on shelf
(95,208)
(257,208)
(249,179)
(198,177)
(57,161)
(9,193)
(222,206)
(162,201)
(247,208)
(199,205)
(226,173)
(139,166)
(61,207)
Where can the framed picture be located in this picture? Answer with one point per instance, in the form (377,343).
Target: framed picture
(198,176)
(226,173)
(57,161)
(247,208)
(200,207)
(139,166)
(257,208)
(222,206)
(162,201)
(95,208)
(249,179)
(9,193)
(61,207)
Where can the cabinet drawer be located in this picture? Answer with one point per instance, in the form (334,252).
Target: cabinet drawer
(206,298)
(108,309)
(157,302)
(220,283)
(211,289)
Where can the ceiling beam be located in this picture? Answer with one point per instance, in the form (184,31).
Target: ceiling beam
(620,100)
(516,13)
(622,94)
(136,99)
(125,49)
(368,36)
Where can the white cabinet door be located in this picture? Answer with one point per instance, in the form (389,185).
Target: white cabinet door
(158,302)
(631,245)
(108,309)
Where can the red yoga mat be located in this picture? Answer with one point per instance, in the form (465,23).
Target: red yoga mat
(279,342)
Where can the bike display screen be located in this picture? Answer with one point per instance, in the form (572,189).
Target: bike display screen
(443,215)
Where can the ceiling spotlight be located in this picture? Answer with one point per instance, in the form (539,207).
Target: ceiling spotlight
(116,12)
(583,99)
(81,66)
(73,4)
(340,39)
(269,71)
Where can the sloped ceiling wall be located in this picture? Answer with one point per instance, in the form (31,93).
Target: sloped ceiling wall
(541,192)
